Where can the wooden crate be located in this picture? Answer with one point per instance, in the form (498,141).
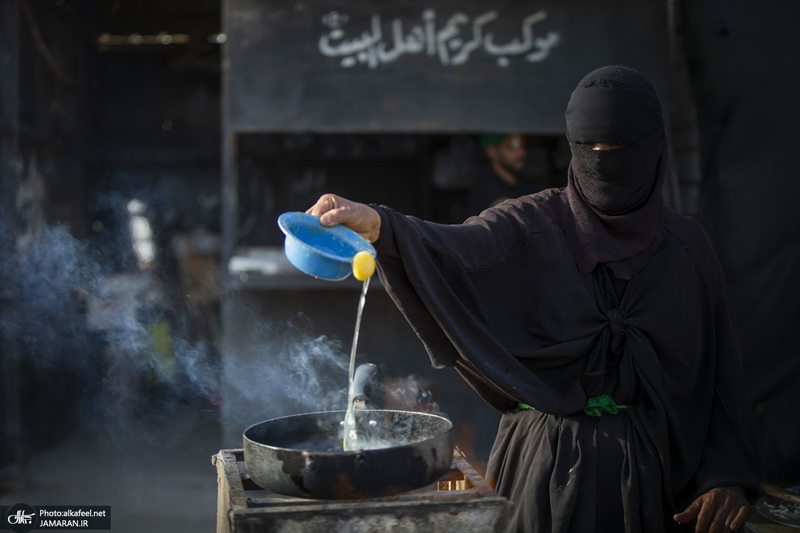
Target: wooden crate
(758,524)
(462,501)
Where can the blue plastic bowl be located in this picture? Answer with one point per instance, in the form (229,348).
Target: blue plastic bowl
(320,251)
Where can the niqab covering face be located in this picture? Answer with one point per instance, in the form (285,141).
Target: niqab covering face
(614,196)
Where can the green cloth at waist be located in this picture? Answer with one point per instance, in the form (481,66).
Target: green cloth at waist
(595,406)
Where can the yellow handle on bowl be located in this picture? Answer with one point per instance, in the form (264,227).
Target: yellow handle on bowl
(363,266)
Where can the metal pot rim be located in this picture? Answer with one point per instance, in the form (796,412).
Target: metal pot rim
(345,453)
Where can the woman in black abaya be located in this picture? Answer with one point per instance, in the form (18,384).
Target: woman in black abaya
(597,320)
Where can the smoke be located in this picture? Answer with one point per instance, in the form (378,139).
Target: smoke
(109,342)
(128,350)
(278,368)
(410,394)
(43,283)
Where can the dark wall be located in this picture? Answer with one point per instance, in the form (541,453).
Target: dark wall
(9,94)
(333,66)
(44,65)
(156,122)
(748,108)
(83,130)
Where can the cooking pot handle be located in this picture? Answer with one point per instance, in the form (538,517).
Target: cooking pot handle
(362,385)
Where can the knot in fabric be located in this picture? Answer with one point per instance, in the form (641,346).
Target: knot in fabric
(618,330)
(615,320)
(599,404)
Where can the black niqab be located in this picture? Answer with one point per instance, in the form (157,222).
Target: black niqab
(616,213)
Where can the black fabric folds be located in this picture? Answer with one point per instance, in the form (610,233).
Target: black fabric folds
(500,299)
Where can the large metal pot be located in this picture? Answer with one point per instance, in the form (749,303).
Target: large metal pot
(396,451)
(301,455)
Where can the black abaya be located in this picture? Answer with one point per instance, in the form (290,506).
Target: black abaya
(503,300)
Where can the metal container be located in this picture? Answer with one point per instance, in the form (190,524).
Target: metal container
(301,455)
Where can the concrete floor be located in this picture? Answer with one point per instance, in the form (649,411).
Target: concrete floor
(156,475)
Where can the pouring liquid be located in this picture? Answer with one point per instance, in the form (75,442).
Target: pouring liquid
(349,443)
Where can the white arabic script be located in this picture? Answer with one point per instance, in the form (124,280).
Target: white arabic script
(452,44)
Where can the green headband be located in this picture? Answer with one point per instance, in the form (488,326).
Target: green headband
(491,139)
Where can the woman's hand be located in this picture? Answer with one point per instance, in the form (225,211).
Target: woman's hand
(361,218)
(720,509)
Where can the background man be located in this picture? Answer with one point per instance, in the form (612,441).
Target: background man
(499,177)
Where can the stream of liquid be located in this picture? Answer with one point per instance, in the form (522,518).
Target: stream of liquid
(349,419)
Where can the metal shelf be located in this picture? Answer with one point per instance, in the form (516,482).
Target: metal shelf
(249,281)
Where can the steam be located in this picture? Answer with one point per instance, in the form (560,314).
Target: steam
(275,369)
(133,357)
(376,430)
(281,369)
(409,394)
(54,290)
(42,284)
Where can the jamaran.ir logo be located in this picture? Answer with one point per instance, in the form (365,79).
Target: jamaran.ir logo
(21,518)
